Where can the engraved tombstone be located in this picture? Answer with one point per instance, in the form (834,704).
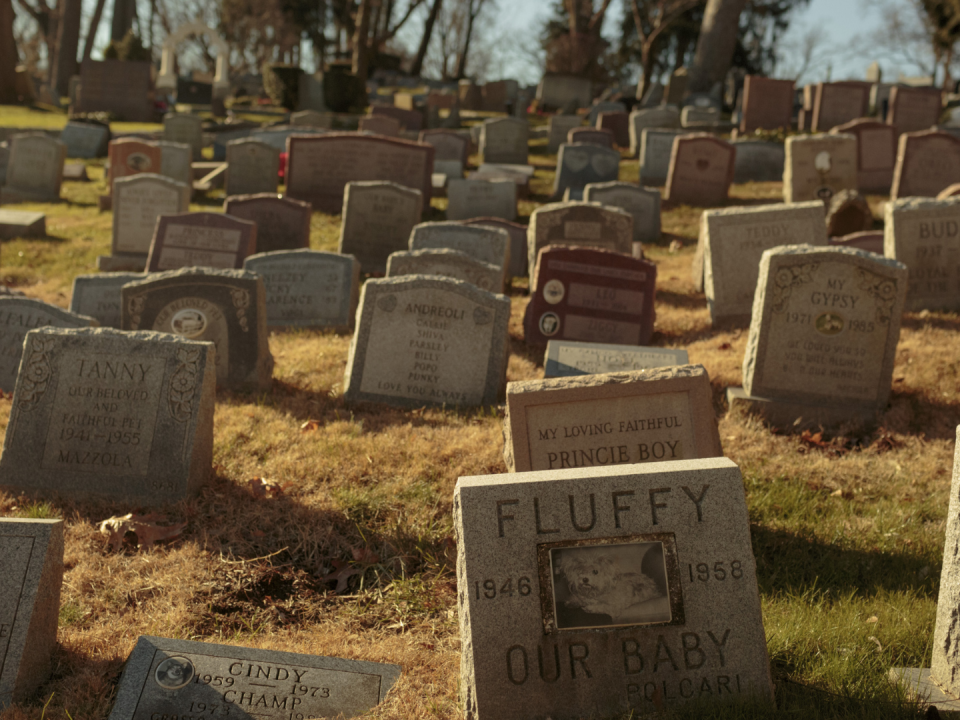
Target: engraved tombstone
(559,126)
(100,412)
(767,104)
(656,148)
(619,124)
(252,167)
(282,223)
(582,163)
(579,224)
(927,162)
(377,220)
(444,262)
(137,203)
(590,136)
(504,140)
(380,125)
(98,296)
(565,358)
(518,241)
(201,239)
(664,117)
(817,166)
(447,145)
(428,341)
(129,156)
(487,244)
(838,103)
(876,153)
(184,128)
(175,162)
(643,203)
(85,140)
(481,198)
(34,170)
(701,170)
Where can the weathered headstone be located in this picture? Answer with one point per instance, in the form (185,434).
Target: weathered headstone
(201,239)
(876,153)
(129,156)
(767,104)
(579,224)
(504,140)
(226,307)
(319,167)
(22,224)
(377,220)
(603,106)
(31,562)
(758,161)
(619,124)
(559,127)
(428,341)
(162,673)
(676,89)
(659,118)
(448,145)
(184,128)
(175,162)
(518,241)
(443,262)
(701,170)
(643,203)
(100,412)
(733,240)
(380,125)
(120,87)
(694,117)
(487,244)
(34,170)
(823,336)
(411,120)
(912,109)
(308,288)
(85,140)
(927,162)
(590,136)
(252,167)
(619,610)
(656,148)
(817,166)
(479,198)
(838,103)
(583,163)
(277,135)
(924,235)
(98,296)
(282,223)
(565,358)
(652,415)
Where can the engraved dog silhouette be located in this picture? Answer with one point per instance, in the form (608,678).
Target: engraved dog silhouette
(599,584)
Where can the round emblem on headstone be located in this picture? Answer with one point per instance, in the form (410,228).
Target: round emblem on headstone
(138,162)
(549,324)
(553,291)
(189,322)
(829,323)
(173,673)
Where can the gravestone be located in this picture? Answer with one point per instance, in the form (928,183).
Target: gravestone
(98,296)
(658,118)
(590,136)
(175,162)
(848,212)
(555,92)
(252,167)
(924,235)
(664,630)
(19,315)
(443,262)
(320,167)
(201,239)
(603,106)
(312,119)
(22,224)
(676,89)
(701,170)
(652,415)
(128,156)
(411,120)
(619,124)
(122,88)
(310,95)
(31,561)
(912,109)
(487,244)
(733,240)
(428,341)
(656,148)
(132,418)
(447,145)
(138,202)
(696,117)
(4,161)
(817,166)
(184,128)
(767,104)
(559,127)
(276,136)
(226,307)
(565,358)
(380,125)
(642,203)
(494,97)
(34,170)
(162,673)
(377,220)
(876,153)
(282,223)
(871,241)
(504,140)
(308,288)
(582,163)
(481,198)
(450,169)
(927,162)
(838,103)
(85,140)
(579,224)
(758,161)
(590,295)
(518,241)
(823,336)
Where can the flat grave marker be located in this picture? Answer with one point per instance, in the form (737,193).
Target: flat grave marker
(22,224)
(565,358)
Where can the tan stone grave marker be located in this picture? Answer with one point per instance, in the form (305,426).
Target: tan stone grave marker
(579,224)
(444,262)
(817,166)
(927,162)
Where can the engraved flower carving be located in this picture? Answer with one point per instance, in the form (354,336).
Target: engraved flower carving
(787,278)
(882,290)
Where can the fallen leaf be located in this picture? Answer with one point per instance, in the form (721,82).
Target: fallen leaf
(342,574)
(144,530)
(873,619)
(365,556)
(310,425)
(263,488)
(724,346)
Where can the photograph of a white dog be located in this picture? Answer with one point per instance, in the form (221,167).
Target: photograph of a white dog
(609,585)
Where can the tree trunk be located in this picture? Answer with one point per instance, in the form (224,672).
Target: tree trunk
(68,40)
(417,66)
(462,57)
(360,50)
(8,54)
(124,13)
(715,46)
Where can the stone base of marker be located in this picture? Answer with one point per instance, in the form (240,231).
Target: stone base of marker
(918,683)
(121,263)
(798,416)
(22,224)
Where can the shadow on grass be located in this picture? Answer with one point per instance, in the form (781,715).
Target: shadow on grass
(938,321)
(933,419)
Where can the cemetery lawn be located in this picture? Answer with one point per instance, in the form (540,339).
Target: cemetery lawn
(326,529)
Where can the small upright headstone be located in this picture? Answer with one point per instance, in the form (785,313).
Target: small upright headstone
(579,224)
(559,126)
(566,359)
(226,307)
(876,153)
(34,170)
(100,412)
(130,156)
(282,223)
(582,163)
(137,203)
(927,162)
(308,288)
(518,241)
(380,125)
(22,224)
(912,109)
(252,167)
(838,103)
(428,341)
(175,162)
(590,295)
(643,203)
(701,170)
(767,104)
(656,148)
(98,296)
(817,166)
(184,128)
(603,106)
(201,239)
(823,336)
(758,161)
(487,244)
(443,262)
(85,140)
(619,124)
(377,220)
(478,198)
(411,120)
(590,136)
(31,563)
(659,118)
(504,140)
